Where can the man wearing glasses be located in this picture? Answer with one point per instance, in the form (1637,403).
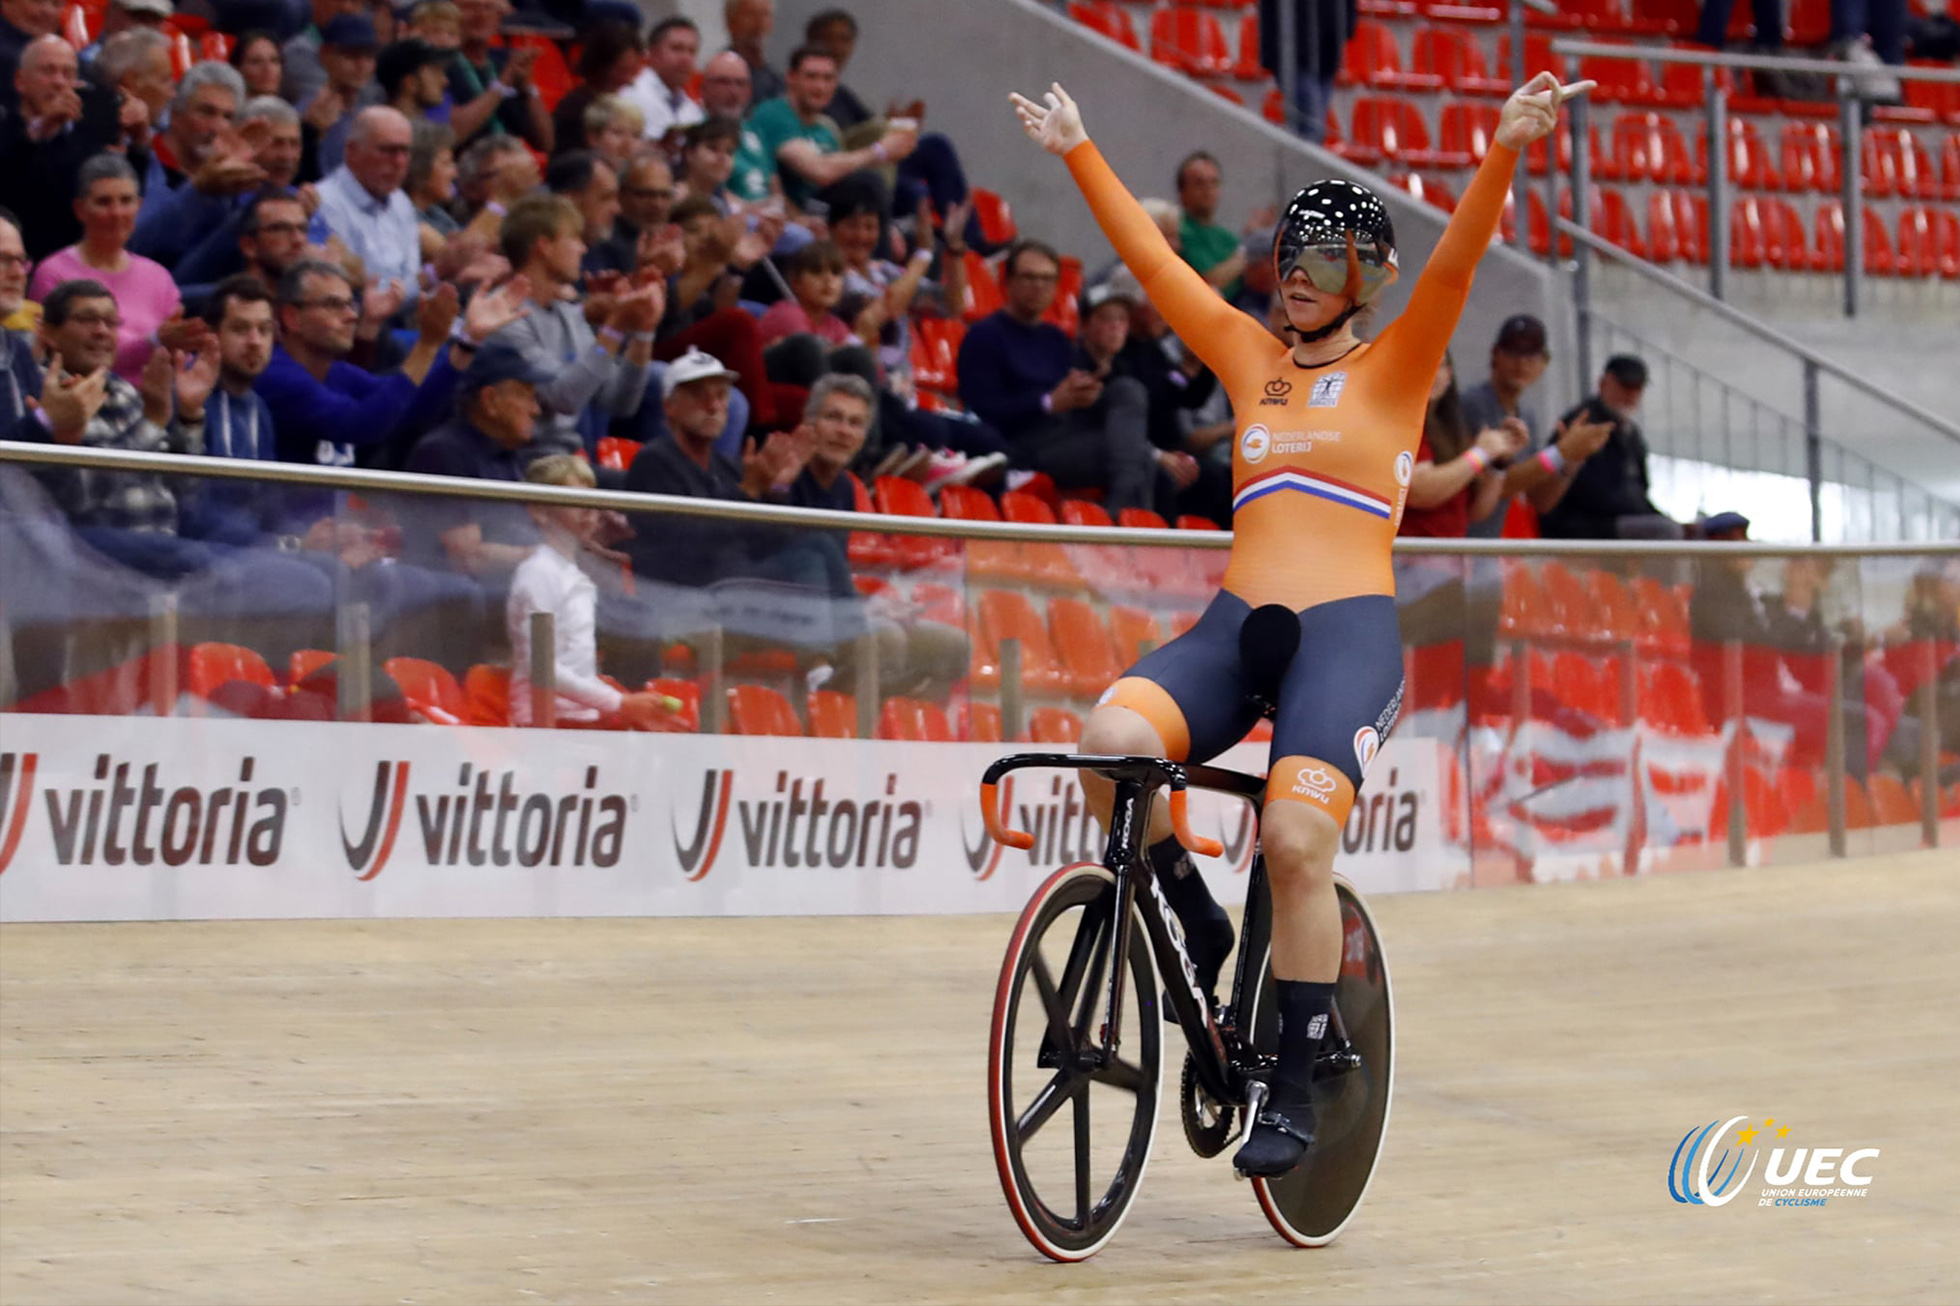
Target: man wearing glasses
(363,203)
(1017,375)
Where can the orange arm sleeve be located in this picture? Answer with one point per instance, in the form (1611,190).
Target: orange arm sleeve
(1423,330)
(1215,331)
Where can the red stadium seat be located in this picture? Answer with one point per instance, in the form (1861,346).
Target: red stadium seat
(1811,154)
(1190,41)
(1622,79)
(1538,56)
(996,218)
(1066,310)
(832,715)
(1371,59)
(1467,129)
(759,710)
(1457,59)
(212,665)
(1746,233)
(1247,67)
(983,294)
(1749,161)
(1428,190)
(616,452)
(1106,18)
(429,689)
(486,695)
(688,719)
(1895,163)
(1054,725)
(915,719)
(1007,614)
(1649,147)
(1088,652)
(895,496)
(1786,245)
(1387,129)
(980,722)
(936,352)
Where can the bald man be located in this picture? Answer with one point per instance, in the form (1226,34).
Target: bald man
(363,203)
(62,122)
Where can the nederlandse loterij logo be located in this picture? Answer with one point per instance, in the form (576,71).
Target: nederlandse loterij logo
(1795,1176)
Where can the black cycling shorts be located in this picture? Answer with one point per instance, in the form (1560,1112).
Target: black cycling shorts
(1337,702)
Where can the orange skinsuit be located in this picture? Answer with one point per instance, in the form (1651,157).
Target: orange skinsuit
(1322,456)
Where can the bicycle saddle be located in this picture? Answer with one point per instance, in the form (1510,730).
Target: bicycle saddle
(1267,642)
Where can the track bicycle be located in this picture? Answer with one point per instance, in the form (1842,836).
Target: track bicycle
(1075,1054)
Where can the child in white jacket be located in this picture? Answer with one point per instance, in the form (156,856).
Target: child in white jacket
(549,580)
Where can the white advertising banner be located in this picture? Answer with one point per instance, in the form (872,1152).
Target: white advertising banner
(139,818)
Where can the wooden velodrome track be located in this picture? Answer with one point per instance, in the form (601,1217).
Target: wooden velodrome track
(793,1110)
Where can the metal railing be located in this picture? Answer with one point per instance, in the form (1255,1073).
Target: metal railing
(362,480)
(1715,106)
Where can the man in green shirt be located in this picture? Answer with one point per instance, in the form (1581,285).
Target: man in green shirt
(1213,250)
(798,143)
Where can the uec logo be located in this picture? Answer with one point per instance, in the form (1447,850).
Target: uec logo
(1704,1191)
(1805,1176)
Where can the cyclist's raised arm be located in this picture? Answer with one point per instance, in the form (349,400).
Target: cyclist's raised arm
(1425,327)
(1223,337)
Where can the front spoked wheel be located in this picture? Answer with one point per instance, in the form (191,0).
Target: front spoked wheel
(1072,1130)
(1353,1080)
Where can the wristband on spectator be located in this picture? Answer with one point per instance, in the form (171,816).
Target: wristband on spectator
(1552,460)
(503,89)
(612,335)
(1048,403)
(459,335)
(1477,458)
(640,338)
(496,208)
(878,148)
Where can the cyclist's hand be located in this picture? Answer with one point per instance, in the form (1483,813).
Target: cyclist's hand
(1056,124)
(1532,111)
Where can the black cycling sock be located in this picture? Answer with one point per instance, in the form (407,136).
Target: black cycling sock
(1185,889)
(1304,1008)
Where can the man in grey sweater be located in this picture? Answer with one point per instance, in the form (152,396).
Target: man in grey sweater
(596,375)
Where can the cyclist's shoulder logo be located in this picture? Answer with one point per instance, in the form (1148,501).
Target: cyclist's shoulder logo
(1700,1175)
(1255,443)
(1278,391)
(1327,390)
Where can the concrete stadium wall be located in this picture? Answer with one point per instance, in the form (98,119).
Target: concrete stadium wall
(964,56)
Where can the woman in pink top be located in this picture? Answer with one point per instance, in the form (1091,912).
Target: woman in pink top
(106,201)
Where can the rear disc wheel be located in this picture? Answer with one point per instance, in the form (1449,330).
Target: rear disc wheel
(1310,1204)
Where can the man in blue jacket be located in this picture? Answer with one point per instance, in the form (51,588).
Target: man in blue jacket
(1016,375)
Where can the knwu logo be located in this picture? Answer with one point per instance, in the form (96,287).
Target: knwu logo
(128,817)
(1796,1176)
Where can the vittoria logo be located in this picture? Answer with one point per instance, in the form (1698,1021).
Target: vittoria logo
(797,828)
(1063,827)
(1383,819)
(488,820)
(125,819)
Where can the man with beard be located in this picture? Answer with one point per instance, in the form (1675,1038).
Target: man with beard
(219,250)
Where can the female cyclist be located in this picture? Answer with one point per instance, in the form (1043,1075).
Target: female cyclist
(1327,430)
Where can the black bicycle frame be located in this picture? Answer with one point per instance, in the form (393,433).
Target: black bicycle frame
(1222,1057)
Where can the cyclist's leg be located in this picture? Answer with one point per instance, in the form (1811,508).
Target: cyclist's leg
(1185,701)
(1339,700)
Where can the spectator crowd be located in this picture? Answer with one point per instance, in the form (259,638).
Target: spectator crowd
(426,239)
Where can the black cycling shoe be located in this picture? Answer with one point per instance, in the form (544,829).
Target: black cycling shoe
(1208,940)
(1278,1141)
